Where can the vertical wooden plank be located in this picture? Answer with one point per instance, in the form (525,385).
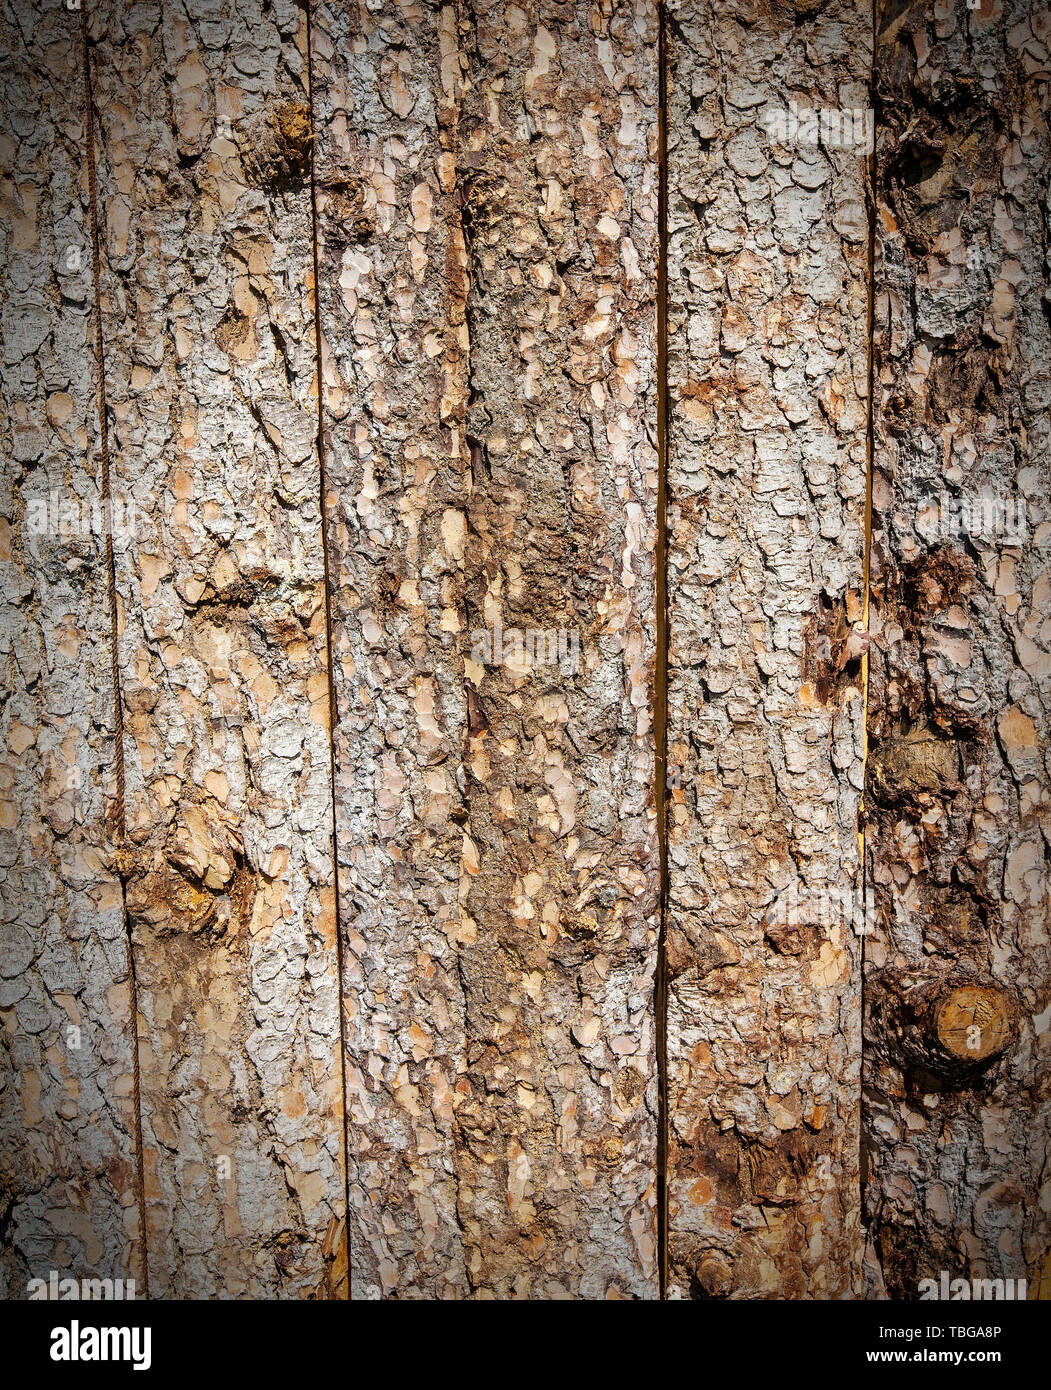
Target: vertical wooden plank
(203,167)
(489,224)
(67,1154)
(559,195)
(958,973)
(767,359)
(394,342)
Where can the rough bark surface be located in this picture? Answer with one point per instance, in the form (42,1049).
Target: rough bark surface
(477,183)
(203,138)
(68,1183)
(487,195)
(558,187)
(386,81)
(767,363)
(958,971)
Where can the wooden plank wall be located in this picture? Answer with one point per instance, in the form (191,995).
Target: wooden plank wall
(456,839)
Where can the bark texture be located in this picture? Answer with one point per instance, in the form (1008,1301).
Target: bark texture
(394,343)
(203,165)
(559,195)
(767,374)
(425,499)
(958,971)
(68,1183)
(488,221)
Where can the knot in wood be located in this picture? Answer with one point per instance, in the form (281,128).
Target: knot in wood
(972,1022)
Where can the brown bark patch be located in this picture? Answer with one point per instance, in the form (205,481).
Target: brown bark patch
(277,147)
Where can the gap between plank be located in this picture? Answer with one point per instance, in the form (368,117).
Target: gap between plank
(660,694)
(869,465)
(118,817)
(332,710)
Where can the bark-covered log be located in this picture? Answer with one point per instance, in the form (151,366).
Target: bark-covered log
(203,139)
(394,348)
(767,371)
(958,973)
(558,188)
(488,210)
(68,1180)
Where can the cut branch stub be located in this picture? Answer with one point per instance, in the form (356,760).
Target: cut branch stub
(972,1023)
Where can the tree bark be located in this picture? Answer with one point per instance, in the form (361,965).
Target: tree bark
(394,343)
(203,138)
(329,862)
(488,220)
(559,198)
(958,973)
(767,358)
(67,1103)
